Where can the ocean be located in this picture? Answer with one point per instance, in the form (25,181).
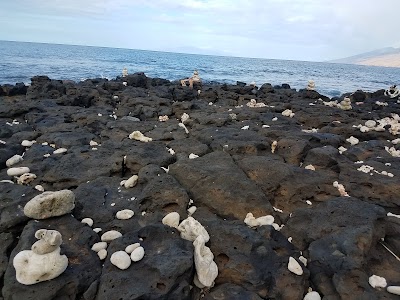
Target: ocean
(20,61)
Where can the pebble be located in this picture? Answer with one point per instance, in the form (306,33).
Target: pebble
(137,254)
(39,188)
(192,210)
(377,281)
(102,254)
(121,260)
(97,229)
(193,156)
(131,182)
(99,246)
(171,219)
(60,151)
(393,289)
(110,235)
(14,160)
(294,266)
(312,296)
(87,221)
(129,249)
(27,143)
(26,178)
(17,171)
(124,214)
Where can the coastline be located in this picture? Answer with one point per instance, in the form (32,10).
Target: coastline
(326,171)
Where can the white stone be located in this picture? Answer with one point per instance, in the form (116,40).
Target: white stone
(14,160)
(171,219)
(108,236)
(312,296)
(121,260)
(184,118)
(251,221)
(184,127)
(342,149)
(93,143)
(370,123)
(17,171)
(294,266)
(288,113)
(310,167)
(303,260)
(137,135)
(27,143)
(97,229)
(377,281)
(33,268)
(26,178)
(124,214)
(137,254)
(193,156)
(245,127)
(129,249)
(39,188)
(393,289)
(60,151)
(190,229)
(50,204)
(131,182)
(163,118)
(273,146)
(99,246)
(192,210)
(275,119)
(389,214)
(206,268)
(352,140)
(87,221)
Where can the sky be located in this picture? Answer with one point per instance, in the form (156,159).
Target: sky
(310,30)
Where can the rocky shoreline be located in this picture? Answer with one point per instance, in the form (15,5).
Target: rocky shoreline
(297,192)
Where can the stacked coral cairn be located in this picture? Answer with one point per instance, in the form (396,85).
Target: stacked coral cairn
(139,188)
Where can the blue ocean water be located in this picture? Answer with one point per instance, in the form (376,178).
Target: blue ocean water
(19,61)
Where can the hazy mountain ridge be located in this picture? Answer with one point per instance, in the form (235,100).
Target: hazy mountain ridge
(385,57)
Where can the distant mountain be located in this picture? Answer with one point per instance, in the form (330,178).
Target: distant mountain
(385,57)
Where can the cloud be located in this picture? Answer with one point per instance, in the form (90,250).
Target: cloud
(294,29)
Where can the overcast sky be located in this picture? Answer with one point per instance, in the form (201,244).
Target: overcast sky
(313,30)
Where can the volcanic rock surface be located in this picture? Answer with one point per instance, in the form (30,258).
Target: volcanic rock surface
(330,204)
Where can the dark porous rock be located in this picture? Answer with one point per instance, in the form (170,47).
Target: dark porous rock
(6,241)
(325,157)
(164,194)
(293,150)
(13,199)
(102,198)
(254,259)
(165,272)
(230,196)
(136,80)
(14,90)
(288,187)
(234,171)
(338,236)
(84,266)
(232,292)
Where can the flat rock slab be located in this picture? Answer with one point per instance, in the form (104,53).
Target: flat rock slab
(215,181)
